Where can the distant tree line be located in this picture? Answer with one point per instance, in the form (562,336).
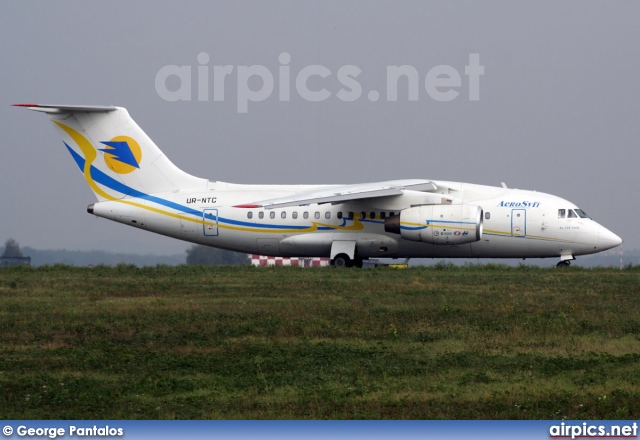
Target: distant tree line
(196,255)
(208,256)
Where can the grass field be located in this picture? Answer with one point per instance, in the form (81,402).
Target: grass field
(479,342)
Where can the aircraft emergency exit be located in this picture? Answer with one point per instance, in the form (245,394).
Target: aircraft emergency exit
(137,185)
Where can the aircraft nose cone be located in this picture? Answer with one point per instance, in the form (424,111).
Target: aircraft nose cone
(607,239)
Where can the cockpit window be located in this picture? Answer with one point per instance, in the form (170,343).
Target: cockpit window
(581,213)
(572,214)
(561,213)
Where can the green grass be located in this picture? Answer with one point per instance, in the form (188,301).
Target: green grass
(477,342)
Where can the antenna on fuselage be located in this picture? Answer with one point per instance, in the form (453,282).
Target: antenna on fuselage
(504,185)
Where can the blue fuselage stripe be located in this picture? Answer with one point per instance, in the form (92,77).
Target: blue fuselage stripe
(113,184)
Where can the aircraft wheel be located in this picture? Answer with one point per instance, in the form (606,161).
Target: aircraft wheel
(342,260)
(564,263)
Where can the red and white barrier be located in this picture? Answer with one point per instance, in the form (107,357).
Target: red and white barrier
(264,261)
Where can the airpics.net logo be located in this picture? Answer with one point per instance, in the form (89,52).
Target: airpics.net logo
(313,83)
(592,430)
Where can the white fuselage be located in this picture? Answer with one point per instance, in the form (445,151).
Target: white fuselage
(516,223)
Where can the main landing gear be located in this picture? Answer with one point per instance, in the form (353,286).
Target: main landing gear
(343,254)
(343,260)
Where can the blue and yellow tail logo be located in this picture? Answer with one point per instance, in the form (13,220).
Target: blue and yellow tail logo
(122,155)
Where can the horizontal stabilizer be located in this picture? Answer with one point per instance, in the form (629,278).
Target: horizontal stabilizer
(49,108)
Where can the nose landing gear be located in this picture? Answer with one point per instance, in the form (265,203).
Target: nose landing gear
(565,260)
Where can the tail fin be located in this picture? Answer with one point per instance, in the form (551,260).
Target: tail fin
(116,157)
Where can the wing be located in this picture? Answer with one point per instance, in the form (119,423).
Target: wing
(345,193)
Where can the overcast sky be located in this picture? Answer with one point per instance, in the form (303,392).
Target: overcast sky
(558,108)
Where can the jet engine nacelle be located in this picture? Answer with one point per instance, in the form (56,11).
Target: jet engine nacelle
(438,224)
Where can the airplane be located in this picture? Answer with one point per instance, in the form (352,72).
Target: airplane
(137,185)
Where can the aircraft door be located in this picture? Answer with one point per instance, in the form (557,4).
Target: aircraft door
(210,226)
(518,222)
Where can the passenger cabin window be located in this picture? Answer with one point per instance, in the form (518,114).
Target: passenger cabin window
(363,215)
(561,213)
(571,214)
(372,215)
(272,214)
(317,214)
(249,214)
(294,214)
(383,214)
(339,215)
(305,215)
(261,214)
(283,214)
(487,215)
(327,215)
